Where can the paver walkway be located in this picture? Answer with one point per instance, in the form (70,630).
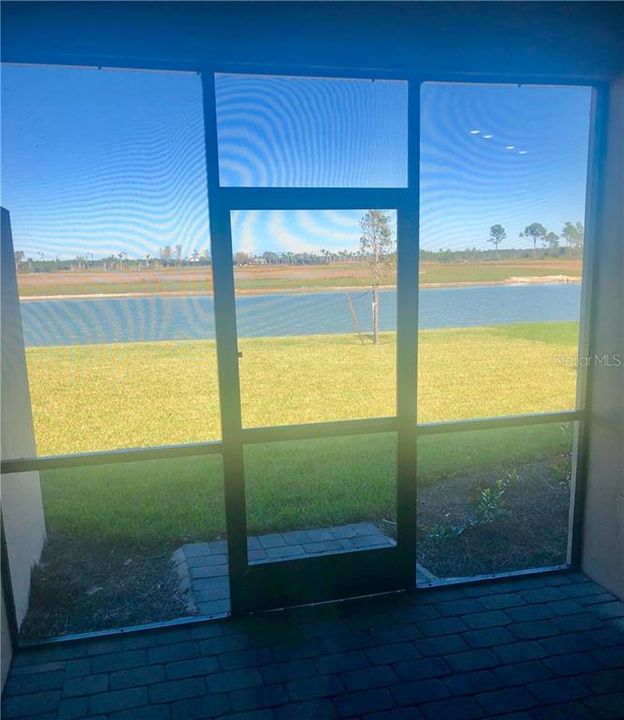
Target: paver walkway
(524,649)
(203,570)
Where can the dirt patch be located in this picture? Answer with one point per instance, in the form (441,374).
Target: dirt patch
(81,587)
(530,530)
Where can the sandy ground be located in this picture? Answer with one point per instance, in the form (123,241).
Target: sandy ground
(258,280)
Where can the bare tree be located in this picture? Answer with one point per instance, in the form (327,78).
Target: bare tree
(378,246)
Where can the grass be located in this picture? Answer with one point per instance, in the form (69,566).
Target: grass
(107,396)
(496,270)
(312,483)
(99,397)
(281,277)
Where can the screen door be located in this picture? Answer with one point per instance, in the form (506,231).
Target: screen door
(314,252)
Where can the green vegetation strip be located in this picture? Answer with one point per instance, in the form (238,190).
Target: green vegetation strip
(100,397)
(299,484)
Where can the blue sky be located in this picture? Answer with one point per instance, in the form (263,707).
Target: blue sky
(105,162)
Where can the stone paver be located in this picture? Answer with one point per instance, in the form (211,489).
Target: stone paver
(445,654)
(203,571)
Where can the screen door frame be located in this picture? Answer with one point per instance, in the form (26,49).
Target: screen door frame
(348,573)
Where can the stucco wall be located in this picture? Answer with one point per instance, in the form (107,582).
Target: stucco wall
(6,651)
(24,527)
(22,510)
(603,527)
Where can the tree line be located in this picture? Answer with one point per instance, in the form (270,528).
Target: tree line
(168,256)
(568,243)
(572,234)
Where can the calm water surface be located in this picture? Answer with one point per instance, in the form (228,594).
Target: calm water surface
(109,320)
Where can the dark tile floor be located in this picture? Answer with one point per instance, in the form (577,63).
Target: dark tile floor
(523,649)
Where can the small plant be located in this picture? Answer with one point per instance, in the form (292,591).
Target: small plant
(446,530)
(489,506)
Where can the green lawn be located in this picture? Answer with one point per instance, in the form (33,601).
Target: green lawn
(299,484)
(495,271)
(107,396)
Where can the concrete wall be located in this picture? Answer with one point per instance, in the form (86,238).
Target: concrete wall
(24,525)
(22,509)
(603,527)
(6,650)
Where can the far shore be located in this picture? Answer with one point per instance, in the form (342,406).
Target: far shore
(520,280)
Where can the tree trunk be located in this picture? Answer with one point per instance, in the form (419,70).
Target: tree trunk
(375,309)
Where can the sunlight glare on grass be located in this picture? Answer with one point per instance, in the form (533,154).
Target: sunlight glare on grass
(101,397)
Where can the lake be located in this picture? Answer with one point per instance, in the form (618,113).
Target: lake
(135,319)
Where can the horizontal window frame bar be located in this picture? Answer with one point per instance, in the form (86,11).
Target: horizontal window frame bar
(499,421)
(309,72)
(400,73)
(442,583)
(282,433)
(419,74)
(317,431)
(485,78)
(306,198)
(198,67)
(109,457)
(68,63)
